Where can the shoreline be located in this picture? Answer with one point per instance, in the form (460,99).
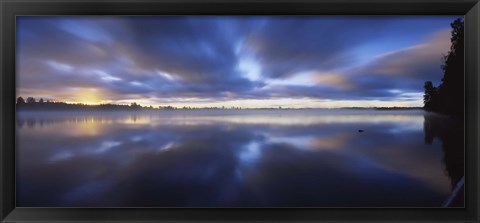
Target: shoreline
(220,109)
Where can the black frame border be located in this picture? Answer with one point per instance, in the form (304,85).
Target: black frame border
(11,8)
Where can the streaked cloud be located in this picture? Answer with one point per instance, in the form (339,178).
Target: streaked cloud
(206,60)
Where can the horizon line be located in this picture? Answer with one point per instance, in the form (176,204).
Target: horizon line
(216,105)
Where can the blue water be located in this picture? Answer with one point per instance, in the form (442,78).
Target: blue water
(229,158)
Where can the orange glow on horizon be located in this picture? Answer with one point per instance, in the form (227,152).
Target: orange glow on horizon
(93,98)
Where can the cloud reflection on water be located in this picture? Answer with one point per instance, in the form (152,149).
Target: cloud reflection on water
(268,158)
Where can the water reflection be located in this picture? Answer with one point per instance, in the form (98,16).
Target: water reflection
(450,133)
(229,159)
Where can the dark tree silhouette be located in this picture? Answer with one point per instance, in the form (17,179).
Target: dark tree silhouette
(452,87)
(48,105)
(31,100)
(20,101)
(134,105)
(430,98)
(448,97)
(32,105)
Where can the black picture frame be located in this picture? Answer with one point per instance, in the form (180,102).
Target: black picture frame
(11,8)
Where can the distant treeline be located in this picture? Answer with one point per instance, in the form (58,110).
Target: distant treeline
(31,104)
(448,97)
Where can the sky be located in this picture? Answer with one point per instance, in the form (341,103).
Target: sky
(241,61)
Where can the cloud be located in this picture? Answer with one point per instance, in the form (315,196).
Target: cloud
(419,60)
(213,58)
(335,80)
(407,68)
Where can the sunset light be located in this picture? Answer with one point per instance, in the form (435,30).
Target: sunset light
(246,62)
(240,112)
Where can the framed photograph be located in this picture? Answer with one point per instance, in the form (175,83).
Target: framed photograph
(157,111)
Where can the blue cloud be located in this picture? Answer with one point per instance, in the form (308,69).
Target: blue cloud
(199,56)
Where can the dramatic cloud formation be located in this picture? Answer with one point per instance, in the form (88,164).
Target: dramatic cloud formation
(261,61)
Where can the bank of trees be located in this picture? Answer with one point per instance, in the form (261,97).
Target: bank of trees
(448,97)
(31,104)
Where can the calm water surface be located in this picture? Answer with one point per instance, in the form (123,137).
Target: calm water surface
(227,158)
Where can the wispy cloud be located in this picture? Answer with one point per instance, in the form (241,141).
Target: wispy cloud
(162,60)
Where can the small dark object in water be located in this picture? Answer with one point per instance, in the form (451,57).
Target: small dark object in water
(360,130)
